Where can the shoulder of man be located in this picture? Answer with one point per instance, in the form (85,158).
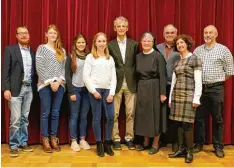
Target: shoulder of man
(198,49)
(160,45)
(132,41)
(112,42)
(222,46)
(14,46)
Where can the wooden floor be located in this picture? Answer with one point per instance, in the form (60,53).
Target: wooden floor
(124,158)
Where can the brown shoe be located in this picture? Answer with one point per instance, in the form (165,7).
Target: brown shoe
(46,145)
(54,143)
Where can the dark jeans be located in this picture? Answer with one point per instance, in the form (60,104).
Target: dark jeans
(79,107)
(50,103)
(212,102)
(97,105)
(171,135)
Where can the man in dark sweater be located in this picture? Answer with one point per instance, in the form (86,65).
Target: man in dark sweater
(171,56)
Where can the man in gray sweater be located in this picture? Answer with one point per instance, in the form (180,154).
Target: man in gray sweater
(171,56)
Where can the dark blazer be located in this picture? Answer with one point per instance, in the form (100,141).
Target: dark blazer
(68,75)
(127,69)
(13,68)
(172,58)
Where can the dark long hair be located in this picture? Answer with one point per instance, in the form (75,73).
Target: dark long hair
(75,51)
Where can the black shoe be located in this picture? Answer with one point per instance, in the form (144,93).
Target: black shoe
(117,145)
(174,147)
(26,148)
(162,144)
(141,147)
(197,148)
(100,150)
(107,148)
(189,156)
(181,152)
(219,152)
(130,145)
(14,152)
(153,150)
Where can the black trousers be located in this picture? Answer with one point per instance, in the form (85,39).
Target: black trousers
(211,102)
(171,135)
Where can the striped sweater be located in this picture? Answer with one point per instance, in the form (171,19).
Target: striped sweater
(48,67)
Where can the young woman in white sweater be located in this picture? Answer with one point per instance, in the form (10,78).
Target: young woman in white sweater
(100,79)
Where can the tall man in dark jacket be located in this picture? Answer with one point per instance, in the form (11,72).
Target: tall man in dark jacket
(19,68)
(171,56)
(124,51)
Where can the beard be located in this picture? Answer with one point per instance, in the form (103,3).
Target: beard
(208,40)
(24,41)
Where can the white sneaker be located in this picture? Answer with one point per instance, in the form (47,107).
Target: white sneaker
(84,144)
(75,147)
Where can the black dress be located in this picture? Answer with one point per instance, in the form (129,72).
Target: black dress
(150,117)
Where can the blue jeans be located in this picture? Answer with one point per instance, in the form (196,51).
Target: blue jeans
(20,107)
(79,107)
(50,103)
(96,105)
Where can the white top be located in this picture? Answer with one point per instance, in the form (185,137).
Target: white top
(122,46)
(99,73)
(27,63)
(198,84)
(77,77)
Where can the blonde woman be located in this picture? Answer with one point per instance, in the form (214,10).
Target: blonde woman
(100,79)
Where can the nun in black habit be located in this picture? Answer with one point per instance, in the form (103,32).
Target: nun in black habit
(150,117)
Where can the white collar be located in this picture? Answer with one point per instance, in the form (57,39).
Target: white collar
(21,47)
(149,52)
(188,55)
(122,41)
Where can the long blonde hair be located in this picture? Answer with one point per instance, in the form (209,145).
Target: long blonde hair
(58,43)
(94,48)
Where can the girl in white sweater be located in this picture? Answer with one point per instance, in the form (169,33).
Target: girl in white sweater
(100,79)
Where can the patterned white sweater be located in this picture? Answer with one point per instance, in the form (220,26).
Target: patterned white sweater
(77,77)
(48,67)
(99,73)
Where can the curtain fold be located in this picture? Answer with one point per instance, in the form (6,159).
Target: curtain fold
(91,16)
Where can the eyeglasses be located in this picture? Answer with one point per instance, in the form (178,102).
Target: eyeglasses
(23,33)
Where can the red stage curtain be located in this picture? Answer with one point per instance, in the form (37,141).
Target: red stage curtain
(91,16)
